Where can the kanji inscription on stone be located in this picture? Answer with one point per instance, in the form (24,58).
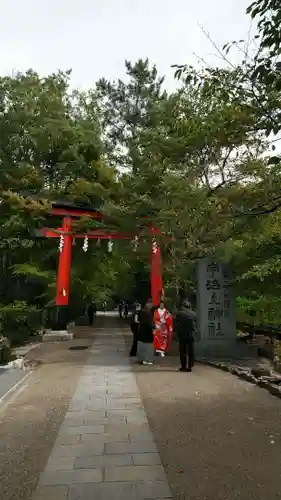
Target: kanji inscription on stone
(213,284)
(215,302)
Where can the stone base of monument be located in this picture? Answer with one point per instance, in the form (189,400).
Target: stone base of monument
(225,350)
(57,336)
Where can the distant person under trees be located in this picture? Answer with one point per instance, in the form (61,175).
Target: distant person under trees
(135,329)
(126,309)
(91,311)
(120,309)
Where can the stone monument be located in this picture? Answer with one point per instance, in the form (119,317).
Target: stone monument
(216,320)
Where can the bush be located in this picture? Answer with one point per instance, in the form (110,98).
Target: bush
(19,321)
(277,354)
(5,355)
(5,350)
(259,310)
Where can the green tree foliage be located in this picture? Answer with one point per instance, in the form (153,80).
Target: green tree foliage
(196,162)
(50,149)
(127,108)
(268,13)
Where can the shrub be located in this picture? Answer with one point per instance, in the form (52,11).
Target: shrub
(19,320)
(5,355)
(277,354)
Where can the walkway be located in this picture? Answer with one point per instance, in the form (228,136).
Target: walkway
(104,449)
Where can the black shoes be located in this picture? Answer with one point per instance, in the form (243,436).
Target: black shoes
(184,369)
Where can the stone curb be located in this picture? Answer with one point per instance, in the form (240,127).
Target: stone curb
(6,397)
(247,376)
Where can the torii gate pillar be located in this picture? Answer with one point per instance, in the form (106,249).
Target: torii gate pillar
(63,276)
(156,282)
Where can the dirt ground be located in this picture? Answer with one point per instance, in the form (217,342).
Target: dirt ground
(219,437)
(30,422)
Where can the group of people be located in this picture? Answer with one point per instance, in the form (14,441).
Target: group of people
(123,309)
(152,329)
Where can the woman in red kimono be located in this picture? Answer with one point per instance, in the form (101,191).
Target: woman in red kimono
(163,329)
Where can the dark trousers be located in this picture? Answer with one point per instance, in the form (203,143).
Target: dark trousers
(91,318)
(186,350)
(134,348)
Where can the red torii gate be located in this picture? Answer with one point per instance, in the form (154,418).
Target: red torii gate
(66,235)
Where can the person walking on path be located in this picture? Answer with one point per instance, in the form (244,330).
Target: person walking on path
(91,311)
(135,329)
(185,325)
(121,308)
(145,351)
(126,309)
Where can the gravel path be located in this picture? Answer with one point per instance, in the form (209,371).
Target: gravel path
(219,438)
(29,424)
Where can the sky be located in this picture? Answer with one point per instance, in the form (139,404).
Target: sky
(94,37)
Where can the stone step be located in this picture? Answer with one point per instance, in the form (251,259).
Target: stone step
(57,336)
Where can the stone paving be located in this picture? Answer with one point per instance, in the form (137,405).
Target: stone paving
(105,449)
